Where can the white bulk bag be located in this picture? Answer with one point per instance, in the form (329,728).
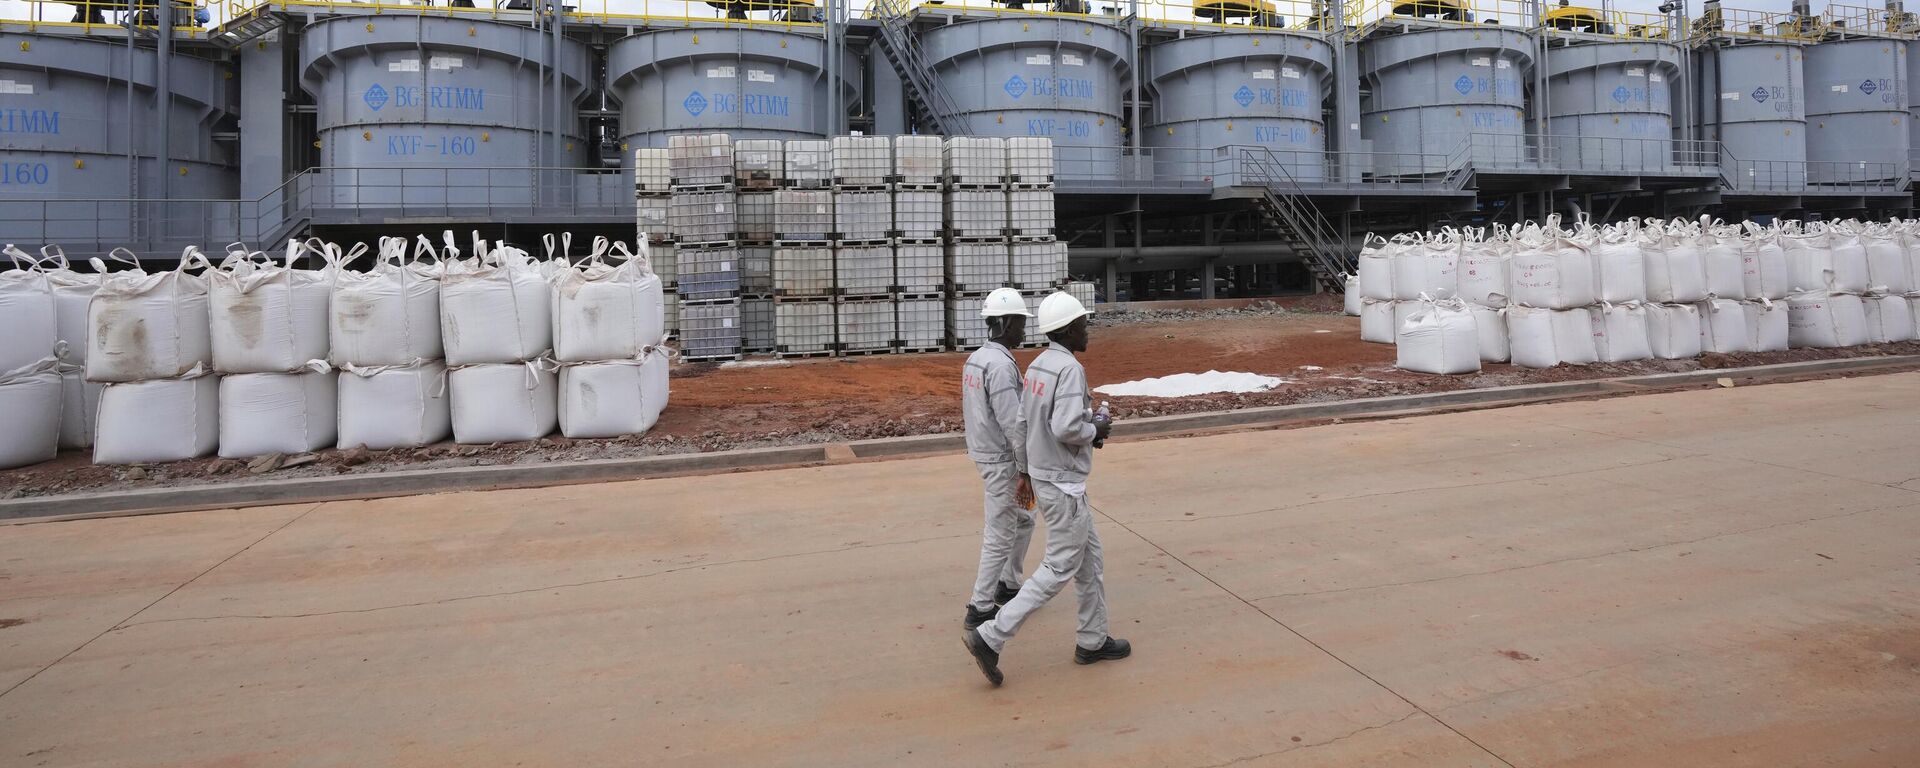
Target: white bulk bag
(1913,309)
(1620,268)
(267,317)
(1809,260)
(607,312)
(1725,266)
(495,308)
(1439,338)
(1552,272)
(388,315)
(1530,335)
(618,397)
(158,420)
(263,413)
(503,403)
(1763,263)
(79,407)
(28,322)
(1724,328)
(29,414)
(1350,296)
(393,406)
(1676,273)
(1673,331)
(144,326)
(1887,268)
(1429,269)
(1573,337)
(1483,273)
(1849,262)
(1491,326)
(1821,319)
(1910,242)
(1620,333)
(1376,267)
(1766,325)
(72,292)
(1889,319)
(1376,321)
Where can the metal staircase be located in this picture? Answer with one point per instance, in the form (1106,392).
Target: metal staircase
(923,91)
(1301,225)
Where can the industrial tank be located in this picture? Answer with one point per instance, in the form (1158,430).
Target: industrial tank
(748,83)
(1609,105)
(1056,77)
(462,99)
(1856,110)
(1431,90)
(1754,104)
(65,131)
(1259,89)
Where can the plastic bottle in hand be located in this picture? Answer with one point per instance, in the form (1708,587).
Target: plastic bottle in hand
(1102,416)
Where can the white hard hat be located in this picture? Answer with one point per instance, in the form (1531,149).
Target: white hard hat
(1058,310)
(1004,301)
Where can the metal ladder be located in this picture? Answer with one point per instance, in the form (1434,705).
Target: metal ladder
(923,92)
(1299,222)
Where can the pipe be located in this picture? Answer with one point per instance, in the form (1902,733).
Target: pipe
(1133,118)
(560,108)
(1272,248)
(133,108)
(163,95)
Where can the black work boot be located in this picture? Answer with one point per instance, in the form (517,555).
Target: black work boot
(1113,648)
(977,617)
(1006,594)
(984,655)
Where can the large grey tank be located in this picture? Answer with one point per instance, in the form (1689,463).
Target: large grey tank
(1856,110)
(64,127)
(1056,77)
(1913,102)
(1753,102)
(747,83)
(1433,90)
(1260,89)
(464,98)
(1609,105)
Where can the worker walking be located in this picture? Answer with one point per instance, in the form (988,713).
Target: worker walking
(997,442)
(1062,432)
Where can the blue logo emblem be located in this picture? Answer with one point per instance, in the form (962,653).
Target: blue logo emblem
(1760,94)
(1244,96)
(695,104)
(1621,94)
(1016,87)
(1464,85)
(375,97)
(1868,87)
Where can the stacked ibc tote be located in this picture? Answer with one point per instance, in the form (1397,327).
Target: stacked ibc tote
(803,280)
(653,202)
(1000,218)
(919,245)
(759,166)
(863,276)
(704,216)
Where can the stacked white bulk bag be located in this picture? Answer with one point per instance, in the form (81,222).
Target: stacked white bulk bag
(1550,270)
(1376,267)
(1573,337)
(1889,318)
(1620,332)
(1350,295)
(148,340)
(1823,319)
(384,338)
(1439,338)
(1490,324)
(1763,263)
(610,339)
(496,312)
(1850,271)
(1724,328)
(27,313)
(1428,269)
(1483,270)
(268,317)
(1619,265)
(1766,324)
(283,412)
(30,404)
(79,407)
(1676,273)
(79,398)
(1530,337)
(159,419)
(1376,321)
(504,403)
(1888,268)
(1723,261)
(393,406)
(1673,331)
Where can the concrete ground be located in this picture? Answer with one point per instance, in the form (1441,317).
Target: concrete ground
(1722,577)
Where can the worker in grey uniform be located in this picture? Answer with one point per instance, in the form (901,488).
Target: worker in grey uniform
(996,441)
(1062,432)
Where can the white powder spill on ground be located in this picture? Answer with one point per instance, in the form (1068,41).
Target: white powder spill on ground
(752,363)
(1311,368)
(1190,384)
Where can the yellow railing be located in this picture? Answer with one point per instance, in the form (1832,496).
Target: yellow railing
(102,17)
(1875,21)
(640,12)
(1363,15)
(1755,25)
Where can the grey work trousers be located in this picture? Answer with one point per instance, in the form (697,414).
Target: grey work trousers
(1073,553)
(1003,544)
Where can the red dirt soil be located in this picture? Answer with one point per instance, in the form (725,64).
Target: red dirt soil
(719,407)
